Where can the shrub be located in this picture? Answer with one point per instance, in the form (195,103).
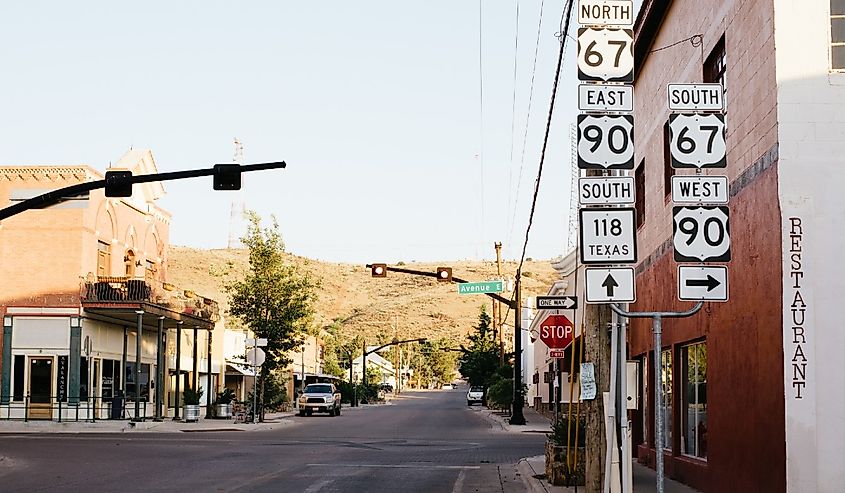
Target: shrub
(568,430)
(226,397)
(191,396)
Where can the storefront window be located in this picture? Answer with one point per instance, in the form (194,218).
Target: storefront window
(695,400)
(666,383)
(131,375)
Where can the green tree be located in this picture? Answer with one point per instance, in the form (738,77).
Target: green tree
(275,298)
(435,361)
(480,360)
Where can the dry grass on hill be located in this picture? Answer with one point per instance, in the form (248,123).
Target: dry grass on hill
(417,306)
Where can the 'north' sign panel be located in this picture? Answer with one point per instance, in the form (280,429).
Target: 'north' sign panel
(606,12)
(611,285)
(701,234)
(697,141)
(606,97)
(608,236)
(605,142)
(702,283)
(695,97)
(700,189)
(605,55)
(606,190)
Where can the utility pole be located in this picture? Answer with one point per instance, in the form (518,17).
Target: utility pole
(597,348)
(497,307)
(517,418)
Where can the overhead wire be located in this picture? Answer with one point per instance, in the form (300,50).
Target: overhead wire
(481,114)
(513,105)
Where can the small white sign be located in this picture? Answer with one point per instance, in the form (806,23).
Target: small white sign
(606,54)
(606,97)
(608,190)
(605,142)
(606,12)
(702,283)
(700,189)
(610,285)
(588,381)
(695,97)
(608,236)
(697,141)
(261,341)
(701,234)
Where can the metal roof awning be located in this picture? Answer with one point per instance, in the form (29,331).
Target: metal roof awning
(238,368)
(125,313)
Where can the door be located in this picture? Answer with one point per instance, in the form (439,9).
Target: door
(40,388)
(96,401)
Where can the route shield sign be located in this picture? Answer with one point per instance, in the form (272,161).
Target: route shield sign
(702,283)
(605,54)
(608,236)
(697,141)
(606,190)
(700,189)
(611,285)
(605,142)
(606,97)
(701,234)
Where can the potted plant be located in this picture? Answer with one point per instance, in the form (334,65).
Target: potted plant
(223,404)
(191,398)
(565,451)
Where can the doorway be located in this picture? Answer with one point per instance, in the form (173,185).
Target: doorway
(40,388)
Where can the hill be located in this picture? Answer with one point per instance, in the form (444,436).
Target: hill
(400,304)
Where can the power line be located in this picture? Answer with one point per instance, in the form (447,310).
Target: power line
(513,104)
(481,113)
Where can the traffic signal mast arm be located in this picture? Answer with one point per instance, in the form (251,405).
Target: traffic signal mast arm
(495,296)
(56,196)
(393,343)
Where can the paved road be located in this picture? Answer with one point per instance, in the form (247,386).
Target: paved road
(423,442)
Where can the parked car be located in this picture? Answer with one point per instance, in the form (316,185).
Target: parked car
(475,394)
(447,386)
(320,397)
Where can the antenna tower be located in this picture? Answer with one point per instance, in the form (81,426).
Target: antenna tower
(237,207)
(573,189)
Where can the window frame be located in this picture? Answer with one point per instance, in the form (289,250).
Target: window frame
(684,400)
(834,44)
(667,392)
(639,194)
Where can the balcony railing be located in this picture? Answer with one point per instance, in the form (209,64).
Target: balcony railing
(129,289)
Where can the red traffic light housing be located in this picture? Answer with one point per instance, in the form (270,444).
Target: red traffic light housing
(118,184)
(444,274)
(378,270)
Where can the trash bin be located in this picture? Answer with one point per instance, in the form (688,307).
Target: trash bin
(117,406)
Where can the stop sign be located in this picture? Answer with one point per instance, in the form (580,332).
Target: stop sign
(557,332)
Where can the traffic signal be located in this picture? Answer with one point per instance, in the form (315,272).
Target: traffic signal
(378,270)
(227,177)
(118,184)
(444,274)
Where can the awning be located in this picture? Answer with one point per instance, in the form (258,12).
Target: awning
(235,368)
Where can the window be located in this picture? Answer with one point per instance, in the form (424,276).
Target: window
(639,189)
(644,375)
(131,375)
(103,259)
(668,170)
(714,68)
(17,382)
(666,384)
(694,439)
(110,378)
(837,34)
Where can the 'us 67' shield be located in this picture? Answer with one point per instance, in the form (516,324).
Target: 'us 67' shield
(701,234)
(697,141)
(605,54)
(605,142)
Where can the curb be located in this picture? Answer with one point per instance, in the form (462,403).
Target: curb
(527,473)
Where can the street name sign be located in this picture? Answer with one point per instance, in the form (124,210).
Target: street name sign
(261,341)
(481,287)
(700,189)
(695,97)
(702,283)
(608,236)
(605,54)
(606,12)
(606,97)
(606,190)
(610,285)
(557,332)
(557,302)
(701,234)
(605,142)
(697,140)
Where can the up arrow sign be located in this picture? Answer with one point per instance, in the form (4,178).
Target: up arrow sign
(557,302)
(610,285)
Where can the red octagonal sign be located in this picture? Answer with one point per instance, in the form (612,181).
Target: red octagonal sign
(557,332)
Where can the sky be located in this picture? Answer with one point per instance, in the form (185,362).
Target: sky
(376,107)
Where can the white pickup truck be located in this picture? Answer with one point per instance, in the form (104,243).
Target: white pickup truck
(320,397)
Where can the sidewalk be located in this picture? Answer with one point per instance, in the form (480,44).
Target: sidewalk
(532,469)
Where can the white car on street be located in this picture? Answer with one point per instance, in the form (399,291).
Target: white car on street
(319,397)
(475,394)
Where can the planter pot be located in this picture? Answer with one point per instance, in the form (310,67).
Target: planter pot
(223,411)
(191,412)
(558,471)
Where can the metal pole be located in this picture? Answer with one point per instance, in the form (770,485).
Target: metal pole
(364,367)
(194,376)
(610,420)
(123,373)
(138,336)
(211,390)
(254,383)
(159,370)
(623,409)
(177,398)
(517,418)
(658,399)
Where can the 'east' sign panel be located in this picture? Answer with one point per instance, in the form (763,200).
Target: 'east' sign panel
(606,190)
(606,97)
(605,142)
(701,234)
(608,236)
(697,141)
(702,283)
(700,189)
(605,55)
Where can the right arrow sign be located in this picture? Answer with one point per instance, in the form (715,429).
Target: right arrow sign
(702,283)
(610,285)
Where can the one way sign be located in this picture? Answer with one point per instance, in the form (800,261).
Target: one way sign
(557,302)
(702,283)
(610,285)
